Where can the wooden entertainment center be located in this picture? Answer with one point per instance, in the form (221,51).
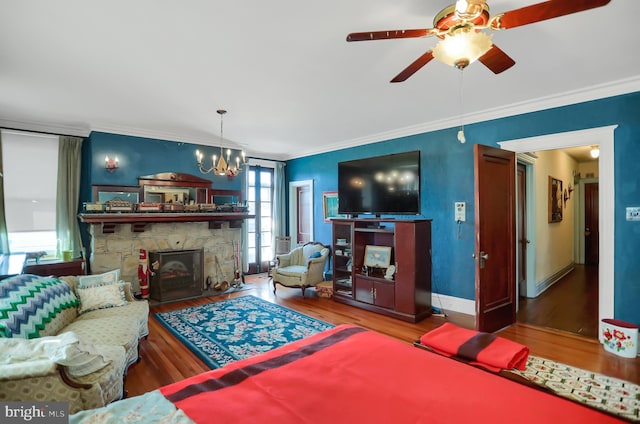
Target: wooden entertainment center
(406,294)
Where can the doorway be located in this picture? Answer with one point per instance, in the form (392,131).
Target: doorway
(591,224)
(300,212)
(521,227)
(566,300)
(259,229)
(593,273)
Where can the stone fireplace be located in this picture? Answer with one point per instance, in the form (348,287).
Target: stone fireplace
(119,247)
(117,237)
(177,274)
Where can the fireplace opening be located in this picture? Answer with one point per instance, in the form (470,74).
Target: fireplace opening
(176,274)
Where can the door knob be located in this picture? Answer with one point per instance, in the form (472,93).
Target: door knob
(483,257)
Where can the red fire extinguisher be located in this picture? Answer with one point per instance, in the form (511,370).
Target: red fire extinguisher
(143,274)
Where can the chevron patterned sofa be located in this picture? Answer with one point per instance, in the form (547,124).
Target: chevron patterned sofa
(69,340)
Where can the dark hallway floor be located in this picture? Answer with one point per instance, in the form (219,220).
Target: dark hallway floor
(570,305)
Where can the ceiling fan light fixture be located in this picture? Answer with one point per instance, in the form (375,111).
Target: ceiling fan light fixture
(468,10)
(462,48)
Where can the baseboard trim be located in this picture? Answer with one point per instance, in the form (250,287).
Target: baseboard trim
(453,304)
(543,285)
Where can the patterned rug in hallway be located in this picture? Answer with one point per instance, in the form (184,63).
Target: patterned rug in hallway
(609,394)
(228,330)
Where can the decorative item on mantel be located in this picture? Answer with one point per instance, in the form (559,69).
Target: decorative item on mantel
(223,167)
(161,198)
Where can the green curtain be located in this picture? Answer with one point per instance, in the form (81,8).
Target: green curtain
(244,173)
(279,202)
(4,238)
(68,194)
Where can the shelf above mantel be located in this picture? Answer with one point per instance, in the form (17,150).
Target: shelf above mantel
(139,221)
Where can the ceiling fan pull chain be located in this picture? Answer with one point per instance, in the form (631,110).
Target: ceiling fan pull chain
(461,137)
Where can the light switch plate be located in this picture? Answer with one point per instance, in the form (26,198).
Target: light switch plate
(460,211)
(633,213)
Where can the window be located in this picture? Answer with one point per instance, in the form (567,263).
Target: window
(260,202)
(30,172)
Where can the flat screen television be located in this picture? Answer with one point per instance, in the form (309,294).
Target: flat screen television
(388,185)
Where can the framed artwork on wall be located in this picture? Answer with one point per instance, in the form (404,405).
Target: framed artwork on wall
(555,199)
(330,206)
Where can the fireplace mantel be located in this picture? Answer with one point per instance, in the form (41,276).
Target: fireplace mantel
(139,221)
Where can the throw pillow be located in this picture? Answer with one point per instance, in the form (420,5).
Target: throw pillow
(100,297)
(28,302)
(110,277)
(315,255)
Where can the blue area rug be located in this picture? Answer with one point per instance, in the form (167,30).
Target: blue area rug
(228,330)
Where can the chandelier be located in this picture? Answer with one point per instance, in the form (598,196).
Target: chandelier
(222,166)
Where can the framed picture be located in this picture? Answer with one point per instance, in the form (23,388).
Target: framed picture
(377,256)
(555,199)
(330,206)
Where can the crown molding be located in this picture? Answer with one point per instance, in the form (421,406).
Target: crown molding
(158,135)
(596,92)
(77,130)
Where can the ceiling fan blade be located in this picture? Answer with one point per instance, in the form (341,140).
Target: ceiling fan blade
(414,67)
(387,35)
(496,60)
(543,11)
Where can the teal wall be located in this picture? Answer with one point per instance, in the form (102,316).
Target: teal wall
(447,177)
(141,156)
(144,156)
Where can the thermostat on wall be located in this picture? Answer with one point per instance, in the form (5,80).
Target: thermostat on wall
(633,213)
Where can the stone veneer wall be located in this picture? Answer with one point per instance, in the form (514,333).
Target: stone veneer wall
(121,249)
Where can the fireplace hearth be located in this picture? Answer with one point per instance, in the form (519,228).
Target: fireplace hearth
(176,274)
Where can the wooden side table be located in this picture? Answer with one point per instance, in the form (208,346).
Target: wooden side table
(56,267)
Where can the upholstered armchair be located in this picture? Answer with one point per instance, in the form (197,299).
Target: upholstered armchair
(302,267)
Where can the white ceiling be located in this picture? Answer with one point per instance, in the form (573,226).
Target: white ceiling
(291,83)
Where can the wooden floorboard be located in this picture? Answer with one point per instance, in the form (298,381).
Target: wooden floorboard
(570,304)
(166,360)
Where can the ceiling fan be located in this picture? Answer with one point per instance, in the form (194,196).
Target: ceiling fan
(461,28)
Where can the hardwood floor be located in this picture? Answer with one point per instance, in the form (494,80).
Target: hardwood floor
(571,304)
(166,360)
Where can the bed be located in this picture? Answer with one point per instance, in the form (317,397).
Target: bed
(346,374)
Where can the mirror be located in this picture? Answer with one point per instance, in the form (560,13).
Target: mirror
(156,194)
(105,193)
(225,197)
(172,187)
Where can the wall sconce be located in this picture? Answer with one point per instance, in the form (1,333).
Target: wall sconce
(571,189)
(111,164)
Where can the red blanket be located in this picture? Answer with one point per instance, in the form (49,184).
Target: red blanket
(485,349)
(348,374)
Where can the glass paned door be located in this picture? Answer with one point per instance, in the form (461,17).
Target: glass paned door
(259,229)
